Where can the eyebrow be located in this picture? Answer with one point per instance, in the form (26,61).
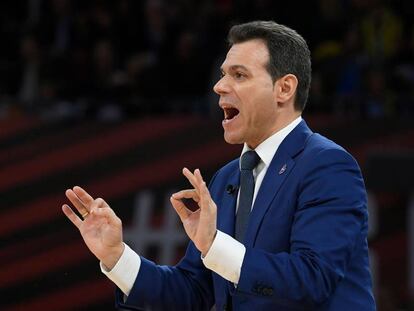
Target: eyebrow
(235,67)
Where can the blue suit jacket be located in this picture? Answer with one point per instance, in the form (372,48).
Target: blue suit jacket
(306,241)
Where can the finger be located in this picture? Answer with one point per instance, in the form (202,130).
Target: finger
(182,210)
(206,201)
(99,203)
(203,186)
(205,197)
(191,178)
(107,213)
(187,194)
(74,199)
(198,177)
(85,197)
(72,216)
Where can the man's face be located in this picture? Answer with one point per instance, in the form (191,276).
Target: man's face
(247,94)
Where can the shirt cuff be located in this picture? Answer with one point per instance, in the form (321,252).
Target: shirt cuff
(124,273)
(225,257)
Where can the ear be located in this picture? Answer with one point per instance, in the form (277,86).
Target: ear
(285,89)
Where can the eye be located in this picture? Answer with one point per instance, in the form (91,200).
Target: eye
(239,75)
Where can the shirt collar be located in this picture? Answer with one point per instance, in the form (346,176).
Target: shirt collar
(267,149)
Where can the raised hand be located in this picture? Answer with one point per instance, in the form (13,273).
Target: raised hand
(200,225)
(100,228)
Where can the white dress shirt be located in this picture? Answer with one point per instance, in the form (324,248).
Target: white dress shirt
(226,254)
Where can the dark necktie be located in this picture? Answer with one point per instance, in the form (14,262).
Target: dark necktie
(249,160)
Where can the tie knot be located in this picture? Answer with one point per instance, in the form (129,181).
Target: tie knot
(249,160)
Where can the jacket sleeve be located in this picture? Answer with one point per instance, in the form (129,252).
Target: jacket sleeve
(330,212)
(186,286)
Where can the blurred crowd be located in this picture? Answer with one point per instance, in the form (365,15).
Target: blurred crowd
(115,59)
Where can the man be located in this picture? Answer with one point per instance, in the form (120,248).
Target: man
(282,228)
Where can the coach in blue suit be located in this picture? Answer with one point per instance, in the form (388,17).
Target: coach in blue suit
(282,228)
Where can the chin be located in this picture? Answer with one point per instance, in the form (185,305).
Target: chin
(232,140)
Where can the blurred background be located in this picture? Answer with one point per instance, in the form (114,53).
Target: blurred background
(116,96)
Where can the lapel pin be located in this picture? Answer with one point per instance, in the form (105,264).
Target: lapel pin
(283,169)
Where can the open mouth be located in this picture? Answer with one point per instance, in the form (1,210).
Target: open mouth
(230,113)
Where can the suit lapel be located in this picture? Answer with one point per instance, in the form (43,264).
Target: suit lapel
(225,223)
(268,190)
(279,169)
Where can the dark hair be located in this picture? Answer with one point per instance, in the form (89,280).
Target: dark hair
(288,53)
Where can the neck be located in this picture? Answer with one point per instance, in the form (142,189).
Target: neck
(278,125)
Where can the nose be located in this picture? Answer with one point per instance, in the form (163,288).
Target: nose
(221,87)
